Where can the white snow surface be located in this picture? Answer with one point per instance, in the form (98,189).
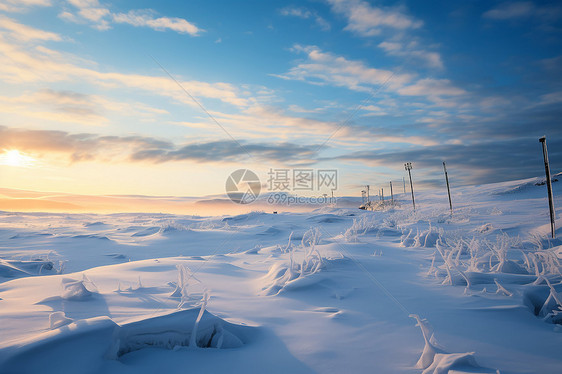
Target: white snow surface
(330,291)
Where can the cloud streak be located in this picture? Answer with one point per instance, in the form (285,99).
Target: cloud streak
(87,146)
(25,33)
(367,20)
(476,163)
(140,18)
(22,5)
(292,11)
(101,18)
(326,68)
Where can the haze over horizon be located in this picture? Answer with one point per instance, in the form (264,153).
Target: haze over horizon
(95,95)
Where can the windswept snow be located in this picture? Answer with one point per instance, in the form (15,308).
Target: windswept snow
(478,290)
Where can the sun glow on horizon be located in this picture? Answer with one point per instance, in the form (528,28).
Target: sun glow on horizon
(16,158)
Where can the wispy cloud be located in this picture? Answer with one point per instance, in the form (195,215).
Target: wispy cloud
(368,20)
(22,5)
(326,68)
(228,151)
(84,147)
(511,10)
(147,18)
(73,107)
(394,24)
(523,9)
(414,50)
(304,13)
(101,17)
(478,162)
(26,33)
(431,88)
(44,65)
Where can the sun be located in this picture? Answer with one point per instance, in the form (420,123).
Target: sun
(16,158)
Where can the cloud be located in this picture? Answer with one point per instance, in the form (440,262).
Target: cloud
(101,18)
(367,20)
(292,11)
(395,24)
(251,120)
(551,98)
(228,151)
(523,9)
(73,107)
(476,163)
(511,10)
(22,5)
(140,18)
(327,68)
(85,146)
(412,49)
(26,33)
(431,88)
(20,65)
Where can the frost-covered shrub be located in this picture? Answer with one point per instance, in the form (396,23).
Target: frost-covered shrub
(184,286)
(424,239)
(304,260)
(172,226)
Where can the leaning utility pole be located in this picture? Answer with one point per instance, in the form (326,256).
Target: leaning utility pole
(404,184)
(448,189)
(548,186)
(391,194)
(408,167)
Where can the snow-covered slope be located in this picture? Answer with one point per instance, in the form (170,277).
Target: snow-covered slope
(332,291)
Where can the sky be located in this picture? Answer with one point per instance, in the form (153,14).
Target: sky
(168,98)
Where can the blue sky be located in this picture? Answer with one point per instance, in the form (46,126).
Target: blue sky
(358,86)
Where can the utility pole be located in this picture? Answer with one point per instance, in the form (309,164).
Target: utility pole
(404,183)
(448,189)
(368,195)
(382,194)
(549,186)
(391,194)
(408,167)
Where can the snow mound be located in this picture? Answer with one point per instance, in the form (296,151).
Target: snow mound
(75,348)
(528,184)
(146,231)
(435,360)
(443,363)
(545,300)
(90,236)
(58,319)
(92,340)
(175,330)
(77,290)
(16,269)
